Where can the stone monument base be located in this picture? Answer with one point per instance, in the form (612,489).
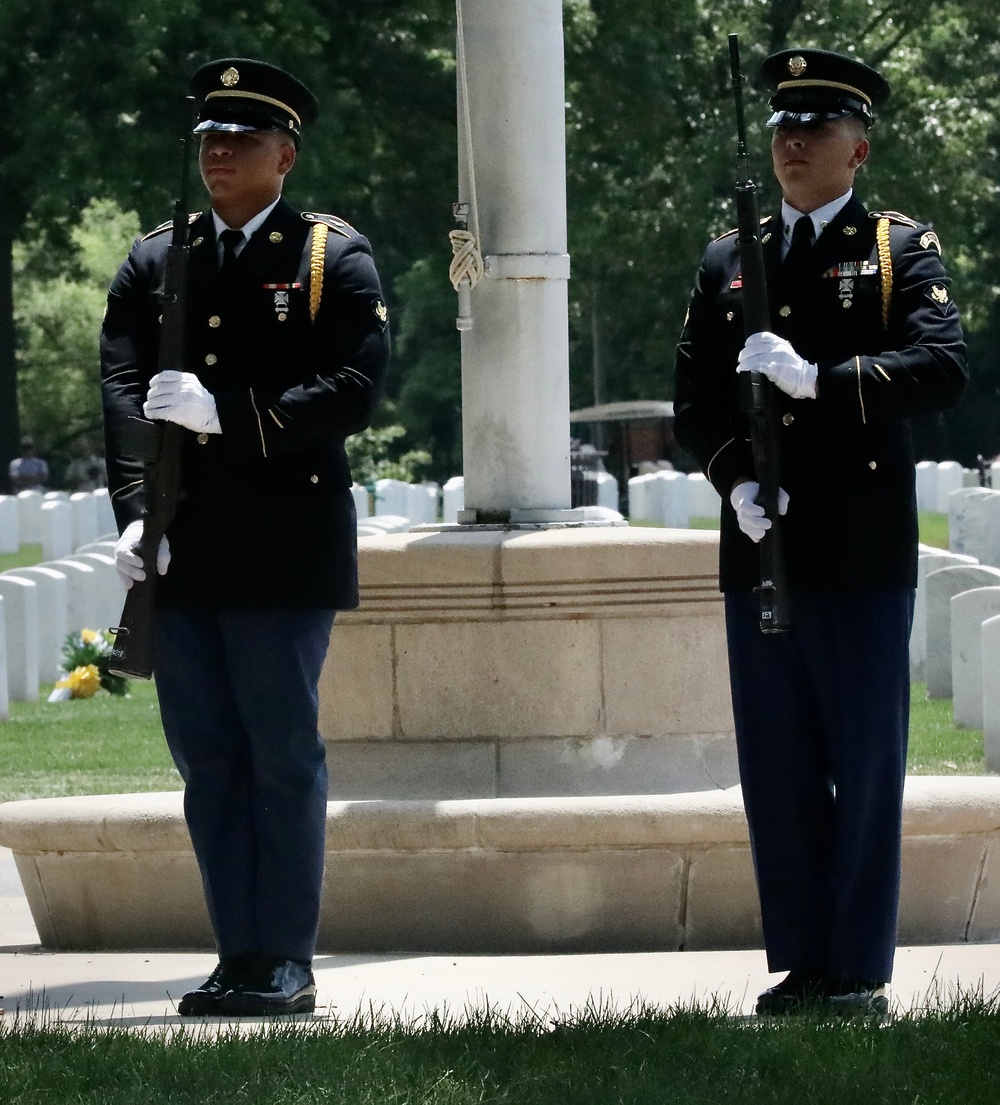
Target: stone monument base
(663,872)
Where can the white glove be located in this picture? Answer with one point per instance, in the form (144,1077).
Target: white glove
(766,352)
(749,514)
(128,562)
(182,398)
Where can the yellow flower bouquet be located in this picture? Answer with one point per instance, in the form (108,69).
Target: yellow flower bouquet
(85,659)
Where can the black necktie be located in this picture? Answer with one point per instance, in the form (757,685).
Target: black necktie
(230,239)
(802,240)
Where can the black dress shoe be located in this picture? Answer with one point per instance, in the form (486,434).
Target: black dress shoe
(207,999)
(272,986)
(797,992)
(857,997)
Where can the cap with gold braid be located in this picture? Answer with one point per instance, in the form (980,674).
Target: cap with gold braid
(810,86)
(238,95)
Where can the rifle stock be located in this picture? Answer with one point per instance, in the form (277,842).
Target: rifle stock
(159,445)
(758,395)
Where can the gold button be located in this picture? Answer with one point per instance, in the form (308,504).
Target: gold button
(872,465)
(314,479)
(214,321)
(788,418)
(282,316)
(785,311)
(730,315)
(202,439)
(198,241)
(211,359)
(847,302)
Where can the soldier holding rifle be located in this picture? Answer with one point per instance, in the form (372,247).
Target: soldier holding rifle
(283,356)
(863,334)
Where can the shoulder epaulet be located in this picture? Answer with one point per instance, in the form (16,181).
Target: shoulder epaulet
(893,217)
(763,222)
(193,217)
(332,221)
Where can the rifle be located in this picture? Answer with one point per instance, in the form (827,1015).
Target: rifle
(158,445)
(759,396)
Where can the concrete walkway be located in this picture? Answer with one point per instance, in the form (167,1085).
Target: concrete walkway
(141,989)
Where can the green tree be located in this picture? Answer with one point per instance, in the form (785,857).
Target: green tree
(58,317)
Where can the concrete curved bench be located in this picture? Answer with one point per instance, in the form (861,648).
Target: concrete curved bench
(505,874)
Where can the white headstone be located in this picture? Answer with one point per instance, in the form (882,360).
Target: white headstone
(109,594)
(390,497)
(57,529)
(703,498)
(676,509)
(4,693)
(942,585)
(929,560)
(963,518)
(988,529)
(452,499)
(927,485)
(29,512)
(105,512)
(607,491)
(640,498)
(969,610)
(20,604)
(360,495)
(949,479)
(386,523)
(53,624)
(85,525)
(82,609)
(991,692)
(421,503)
(10,527)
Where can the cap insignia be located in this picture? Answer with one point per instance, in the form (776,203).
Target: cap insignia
(275,236)
(850,231)
(231,77)
(381,312)
(939,294)
(797,65)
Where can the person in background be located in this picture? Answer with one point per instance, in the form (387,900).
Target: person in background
(286,351)
(28,472)
(864,334)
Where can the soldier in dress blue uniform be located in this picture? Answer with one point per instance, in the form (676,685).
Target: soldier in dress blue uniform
(864,334)
(287,347)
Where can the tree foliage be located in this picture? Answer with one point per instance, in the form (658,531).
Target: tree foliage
(92,102)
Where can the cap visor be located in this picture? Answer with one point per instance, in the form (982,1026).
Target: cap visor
(229,128)
(806,118)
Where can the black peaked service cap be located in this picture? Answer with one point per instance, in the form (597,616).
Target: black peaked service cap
(240,95)
(812,86)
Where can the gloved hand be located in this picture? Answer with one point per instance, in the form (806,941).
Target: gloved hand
(128,563)
(777,360)
(182,398)
(749,514)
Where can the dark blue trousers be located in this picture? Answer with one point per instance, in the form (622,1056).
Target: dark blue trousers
(822,715)
(239,703)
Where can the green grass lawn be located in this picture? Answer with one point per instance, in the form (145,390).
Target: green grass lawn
(680,1057)
(99,745)
(25,557)
(108,745)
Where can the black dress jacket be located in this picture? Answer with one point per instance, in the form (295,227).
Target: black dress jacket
(266,516)
(883,353)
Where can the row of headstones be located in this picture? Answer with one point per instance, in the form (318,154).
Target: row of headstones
(400,505)
(42,604)
(56,520)
(955,642)
(672,499)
